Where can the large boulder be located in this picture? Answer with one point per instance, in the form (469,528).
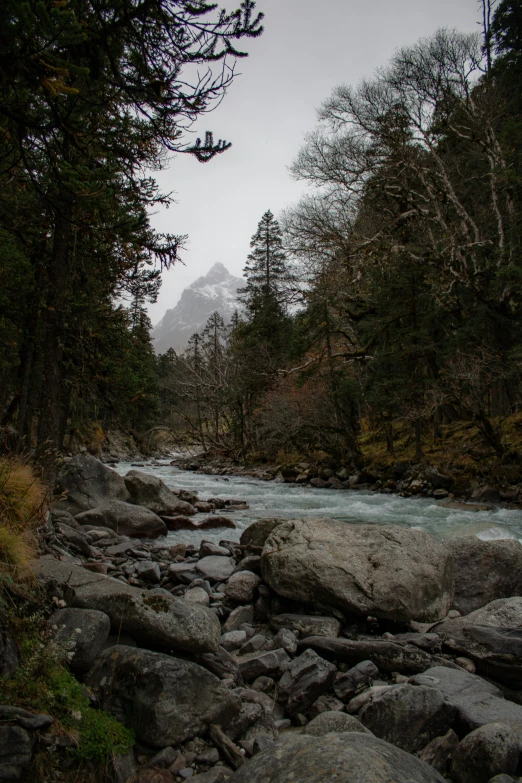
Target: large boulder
(491,750)
(477,701)
(165,700)
(491,636)
(87,482)
(125,519)
(408,716)
(83,633)
(387,571)
(484,571)
(151,492)
(256,534)
(345,758)
(154,619)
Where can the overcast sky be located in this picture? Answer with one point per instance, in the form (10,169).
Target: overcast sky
(308,47)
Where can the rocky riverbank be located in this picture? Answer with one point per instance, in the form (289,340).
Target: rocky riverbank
(309,649)
(502,489)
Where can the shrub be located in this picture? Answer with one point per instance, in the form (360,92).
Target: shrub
(22,505)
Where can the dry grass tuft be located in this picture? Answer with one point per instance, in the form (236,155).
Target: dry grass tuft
(22,505)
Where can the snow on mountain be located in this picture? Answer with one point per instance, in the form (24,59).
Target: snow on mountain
(216,291)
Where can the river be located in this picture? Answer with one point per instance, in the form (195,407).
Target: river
(271,499)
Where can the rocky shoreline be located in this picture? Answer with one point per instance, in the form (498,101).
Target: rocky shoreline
(309,651)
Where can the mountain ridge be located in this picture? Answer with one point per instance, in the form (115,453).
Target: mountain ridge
(214,292)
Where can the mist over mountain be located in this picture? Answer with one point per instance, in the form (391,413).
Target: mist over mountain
(216,291)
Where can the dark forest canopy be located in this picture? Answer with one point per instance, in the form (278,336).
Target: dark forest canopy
(93,96)
(406,265)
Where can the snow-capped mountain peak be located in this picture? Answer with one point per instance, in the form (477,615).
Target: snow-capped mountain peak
(215,291)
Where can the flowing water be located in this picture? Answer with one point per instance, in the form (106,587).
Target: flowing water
(271,499)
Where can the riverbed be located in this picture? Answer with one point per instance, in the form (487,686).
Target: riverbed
(271,499)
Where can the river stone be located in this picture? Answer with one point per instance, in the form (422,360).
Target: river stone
(491,637)
(216,567)
(408,716)
(150,619)
(306,625)
(386,571)
(87,482)
(273,662)
(484,571)
(349,684)
(83,632)
(337,722)
(345,758)
(305,679)
(477,701)
(152,492)
(165,700)
(241,586)
(125,519)
(387,656)
(256,534)
(491,750)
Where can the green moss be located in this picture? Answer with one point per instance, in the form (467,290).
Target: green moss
(43,684)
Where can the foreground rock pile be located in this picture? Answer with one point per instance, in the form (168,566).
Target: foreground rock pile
(310,651)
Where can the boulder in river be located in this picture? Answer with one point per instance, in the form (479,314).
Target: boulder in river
(165,700)
(345,757)
(151,492)
(125,519)
(484,571)
(87,483)
(389,571)
(256,534)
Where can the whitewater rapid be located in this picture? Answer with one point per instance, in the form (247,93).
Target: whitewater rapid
(290,501)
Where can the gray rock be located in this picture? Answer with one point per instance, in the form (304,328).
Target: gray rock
(165,700)
(255,643)
(216,567)
(233,640)
(125,519)
(491,637)
(306,678)
(256,534)
(439,751)
(16,745)
(274,662)
(345,758)
(207,548)
(477,701)
(197,595)
(491,750)
(148,571)
(241,587)
(83,632)
(163,758)
(87,483)
(27,720)
(387,656)
(349,684)
(287,640)
(150,619)
(325,703)
(436,479)
(250,563)
(123,766)
(216,775)
(237,617)
(385,571)
(75,538)
(337,722)
(151,492)
(408,716)
(306,625)
(484,571)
